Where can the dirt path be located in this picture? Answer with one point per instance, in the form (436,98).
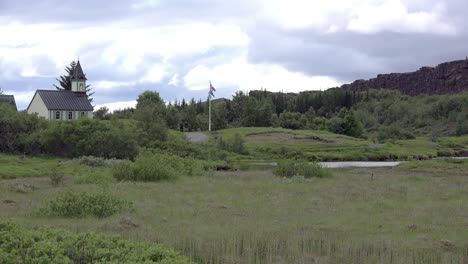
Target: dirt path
(196,137)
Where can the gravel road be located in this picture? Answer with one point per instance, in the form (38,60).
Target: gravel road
(196,137)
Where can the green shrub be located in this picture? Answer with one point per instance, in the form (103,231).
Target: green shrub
(56,176)
(291,168)
(88,137)
(149,167)
(313,169)
(72,204)
(18,245)
(394,132)
(154,168)
(285,168)
(123,171)
(236,144)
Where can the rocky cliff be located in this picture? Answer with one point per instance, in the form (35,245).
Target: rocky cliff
(446,78)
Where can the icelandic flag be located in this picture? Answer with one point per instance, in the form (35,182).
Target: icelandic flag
(212,90)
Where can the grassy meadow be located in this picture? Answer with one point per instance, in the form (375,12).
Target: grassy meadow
(276,143)
(414,213)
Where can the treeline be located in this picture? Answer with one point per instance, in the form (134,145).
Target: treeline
(379,114)
(374,114)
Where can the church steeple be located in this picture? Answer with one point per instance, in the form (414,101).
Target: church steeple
(78,79)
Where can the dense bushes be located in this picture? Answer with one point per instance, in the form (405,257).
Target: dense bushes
(88,137)
(22,132)
(345,123)
(291,168)
(394,132)
(234,144)
(18,245)
(149,167)
(71,204)
(19,130)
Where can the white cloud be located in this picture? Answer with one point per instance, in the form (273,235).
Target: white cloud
(146,4)
(174,80)
(393,15)
(117,105)
(109,85)
(363,16)
(240,74)
(154,74)
(125,46)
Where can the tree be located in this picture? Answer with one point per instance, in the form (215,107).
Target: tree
(151,111)
(102,113)
(64,81)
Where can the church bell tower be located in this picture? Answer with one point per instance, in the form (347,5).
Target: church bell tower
(78,79)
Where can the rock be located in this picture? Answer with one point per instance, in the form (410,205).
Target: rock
(446,78)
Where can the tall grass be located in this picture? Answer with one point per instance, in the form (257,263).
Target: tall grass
(72,204)
(291,168)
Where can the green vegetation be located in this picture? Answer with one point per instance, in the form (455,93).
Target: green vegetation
(18,245)
(291,168)
(132,174)
(150,166)
(357,216)
(71,204)
(277,143)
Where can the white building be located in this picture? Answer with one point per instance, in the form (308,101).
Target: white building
(63,104)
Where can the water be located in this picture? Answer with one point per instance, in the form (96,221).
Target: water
(343,164)
(360,164)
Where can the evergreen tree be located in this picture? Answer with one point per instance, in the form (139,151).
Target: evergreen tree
(64,81)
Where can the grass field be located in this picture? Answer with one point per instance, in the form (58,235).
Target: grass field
(415,213)
(274,143)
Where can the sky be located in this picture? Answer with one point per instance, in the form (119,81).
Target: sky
(176,47)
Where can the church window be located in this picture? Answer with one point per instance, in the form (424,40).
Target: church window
(70,115)
(82,114)
(81,87)
(57,115)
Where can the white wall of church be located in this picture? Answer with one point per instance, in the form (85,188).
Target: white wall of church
(65,115)
(38,106)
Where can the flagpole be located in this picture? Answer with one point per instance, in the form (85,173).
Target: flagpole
(209,110)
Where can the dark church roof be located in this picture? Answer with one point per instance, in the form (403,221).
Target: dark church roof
(65,100)
(8,99)
(78,74)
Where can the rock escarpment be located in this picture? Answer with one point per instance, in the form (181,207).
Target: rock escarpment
(446,78)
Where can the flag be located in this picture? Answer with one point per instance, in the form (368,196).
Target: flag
(212,90)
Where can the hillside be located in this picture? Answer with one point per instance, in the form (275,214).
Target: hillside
(446,78)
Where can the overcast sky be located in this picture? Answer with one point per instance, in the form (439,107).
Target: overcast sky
(177,46)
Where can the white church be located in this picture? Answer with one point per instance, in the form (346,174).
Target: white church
(63,104)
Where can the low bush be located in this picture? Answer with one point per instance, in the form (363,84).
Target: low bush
(18,245)
(56,176)
(72,204)
(313,169)
(285,168)
(291,168)
(236,144)
(394,132)
(150,167)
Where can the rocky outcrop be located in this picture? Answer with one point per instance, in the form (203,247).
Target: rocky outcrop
(446,78)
